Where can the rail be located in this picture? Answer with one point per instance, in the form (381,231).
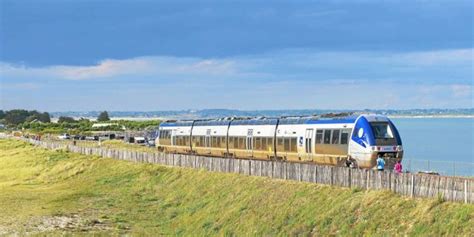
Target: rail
(451,168)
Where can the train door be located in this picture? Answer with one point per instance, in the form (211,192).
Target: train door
(173,141)
(173,137)
(249,143)
(207,141)
(309,143)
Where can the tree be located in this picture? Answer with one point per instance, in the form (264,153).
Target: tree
(65,119)
(44,117)
(104,116)
(16,116)
(38,117)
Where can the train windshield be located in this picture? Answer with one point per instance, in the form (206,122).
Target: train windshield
(382,130)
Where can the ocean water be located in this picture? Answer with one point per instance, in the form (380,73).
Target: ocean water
(444,145)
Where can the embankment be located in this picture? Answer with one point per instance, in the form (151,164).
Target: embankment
(56,191)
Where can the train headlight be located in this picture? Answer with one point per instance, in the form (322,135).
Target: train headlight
(399,148)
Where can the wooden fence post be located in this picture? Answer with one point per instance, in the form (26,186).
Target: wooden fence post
(412,192)
(368,180)
(349,177)
(465,191)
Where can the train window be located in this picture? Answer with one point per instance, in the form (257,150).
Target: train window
(223,142)
(344,137)
(241,143)
(231,142)
(258,143)
(327,136)
(236,142)
(381,130)
(280,144)
(264,143)
(293,147)
(287,144)
(218,141)
(335,136)
(319,136)
(270,143)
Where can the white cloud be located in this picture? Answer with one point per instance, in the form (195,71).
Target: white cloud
(110,68)
(440,57)
(461,91)
(294,64)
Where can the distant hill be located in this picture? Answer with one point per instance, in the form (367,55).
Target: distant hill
(217,113)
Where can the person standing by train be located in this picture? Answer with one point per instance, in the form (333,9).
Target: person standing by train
(380,163)
(398,167)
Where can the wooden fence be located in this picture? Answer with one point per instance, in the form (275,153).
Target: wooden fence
(413,185)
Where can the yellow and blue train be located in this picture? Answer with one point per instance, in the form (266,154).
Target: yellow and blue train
(338,140)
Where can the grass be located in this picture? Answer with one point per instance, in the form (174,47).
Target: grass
(144,199)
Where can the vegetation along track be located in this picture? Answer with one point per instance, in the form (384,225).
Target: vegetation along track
(56,192)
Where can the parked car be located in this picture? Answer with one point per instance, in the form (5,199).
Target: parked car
(79,137)
(64,136)
(92,138)
(140,141)
(151,142)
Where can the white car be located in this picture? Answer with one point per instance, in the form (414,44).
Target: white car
(64,136)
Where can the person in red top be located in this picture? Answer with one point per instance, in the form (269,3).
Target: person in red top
(398,167)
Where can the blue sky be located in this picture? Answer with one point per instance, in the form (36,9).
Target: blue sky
(170,55)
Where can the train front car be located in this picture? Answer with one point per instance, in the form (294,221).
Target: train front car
(373,135)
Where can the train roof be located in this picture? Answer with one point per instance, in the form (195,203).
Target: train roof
(264,121)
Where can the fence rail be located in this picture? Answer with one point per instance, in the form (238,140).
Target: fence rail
(455,189)
(452,168)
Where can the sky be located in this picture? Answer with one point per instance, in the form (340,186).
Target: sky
(171,55)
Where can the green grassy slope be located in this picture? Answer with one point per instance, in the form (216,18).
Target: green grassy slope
(39,188)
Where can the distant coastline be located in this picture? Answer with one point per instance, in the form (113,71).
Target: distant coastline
(191,114)
(143,118)
(448,116)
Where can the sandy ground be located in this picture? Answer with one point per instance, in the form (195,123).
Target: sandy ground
(70,223)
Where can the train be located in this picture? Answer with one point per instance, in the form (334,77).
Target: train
(354,140)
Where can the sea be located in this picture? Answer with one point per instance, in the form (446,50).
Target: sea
(442,145)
